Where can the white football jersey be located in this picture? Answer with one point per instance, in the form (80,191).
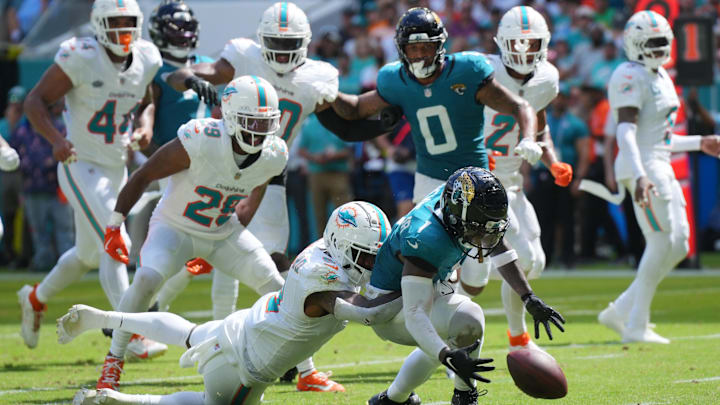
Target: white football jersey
(201,200)
(297,91)
(631,85)
(100,107)
(277,332)
(502,133)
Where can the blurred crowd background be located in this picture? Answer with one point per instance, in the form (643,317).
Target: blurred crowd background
(324,171)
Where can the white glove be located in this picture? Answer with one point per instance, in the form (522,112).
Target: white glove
(529,150)
(135,141)
(327,91)
(9,159)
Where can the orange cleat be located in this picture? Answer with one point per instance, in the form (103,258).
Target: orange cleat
(318,382)
(110,377)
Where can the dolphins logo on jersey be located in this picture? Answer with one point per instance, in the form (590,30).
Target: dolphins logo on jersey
(330,277)
(463,190)
(346,218)
(228,91)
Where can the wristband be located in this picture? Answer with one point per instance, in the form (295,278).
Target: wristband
(116,219)
(504,258)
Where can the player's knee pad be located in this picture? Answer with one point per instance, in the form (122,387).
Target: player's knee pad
(466,325)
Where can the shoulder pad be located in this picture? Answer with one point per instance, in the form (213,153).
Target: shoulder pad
(149,52)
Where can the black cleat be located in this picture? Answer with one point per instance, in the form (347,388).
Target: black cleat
(466,397)
(382,399)
(155,307)
(289,375)
(107,332)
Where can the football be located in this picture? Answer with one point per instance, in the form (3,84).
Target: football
(537,374)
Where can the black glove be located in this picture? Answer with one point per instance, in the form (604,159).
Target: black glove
(390,116)
(464,366)
(204,89)
(541,312)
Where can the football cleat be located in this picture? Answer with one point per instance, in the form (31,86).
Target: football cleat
(78,319)
(646,335)
(99,396)
(110,376)
(141,347)
(466,397)
(318,382)
(32,315)
(612,319)
(382,399)
(522,342)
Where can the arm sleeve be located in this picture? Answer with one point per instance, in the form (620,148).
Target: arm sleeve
(417,297)
(628,146)
(685,143)
(382,313)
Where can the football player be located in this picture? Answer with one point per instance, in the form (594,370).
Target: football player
(644,104)
(303,85)
(216,168)
(9,161)
(109,106)
(468,214)
(443,98)
(522,37)
(244,353)
(174,30)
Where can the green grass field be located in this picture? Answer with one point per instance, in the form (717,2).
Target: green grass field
(599,369)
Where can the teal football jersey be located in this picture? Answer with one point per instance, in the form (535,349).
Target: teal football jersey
(175,108)
(420,234)
(446,121)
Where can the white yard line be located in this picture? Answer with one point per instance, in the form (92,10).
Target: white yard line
(697,380)
(600,356)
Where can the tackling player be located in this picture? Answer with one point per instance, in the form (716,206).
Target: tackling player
(244,353)
(106,84)
(468,214)
(216,168)
(443,98)
(522,37)
(644,104)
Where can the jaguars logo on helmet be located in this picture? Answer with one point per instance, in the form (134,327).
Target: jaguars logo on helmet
(474,209)
(420,25)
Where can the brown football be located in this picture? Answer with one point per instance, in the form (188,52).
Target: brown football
(537,374)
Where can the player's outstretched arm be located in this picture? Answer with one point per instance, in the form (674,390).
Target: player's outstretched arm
(246,209)
(349,306)
(144,121)
(562,172)
(53,85)
(352,107)
(505,260)
(496,96)
(362,129)
(201,78)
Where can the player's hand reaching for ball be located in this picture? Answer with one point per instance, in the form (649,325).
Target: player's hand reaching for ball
(542,313)
(464,366)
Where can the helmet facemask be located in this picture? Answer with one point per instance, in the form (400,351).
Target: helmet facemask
(423,67)
(354,255)
(517,54)
(251,129)
(113,35)
(485,237)
(653,46)
(181,37)
(283,54)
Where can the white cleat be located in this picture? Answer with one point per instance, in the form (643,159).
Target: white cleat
(31,319)
(646,335)
(141,348)
(79,318)
(530,345)
(612,319)
(93,397)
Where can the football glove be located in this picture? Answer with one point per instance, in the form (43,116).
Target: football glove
(562,173)
(115,245)
(464,366)
(390,116)
(529,150)
(542,313)
(491,158)
(204,89)
(9,159)
(198,266)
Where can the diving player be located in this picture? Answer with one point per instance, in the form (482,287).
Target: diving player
(244,353)
(644,104)
(522,67)
(109,106)
(468,214)
(216,168)
(443,98)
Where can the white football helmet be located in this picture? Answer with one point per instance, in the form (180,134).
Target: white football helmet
(250,111)
(100,15)
(517,27)
(647,32)
(354,228)
(284,31)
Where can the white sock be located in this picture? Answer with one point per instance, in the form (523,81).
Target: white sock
(514,309)
(136,299)
(306,367)
(113,279)
(68,270)
(653,268)
(224,294)
(164,327)
(172,289)
(416,369)
(178,398)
